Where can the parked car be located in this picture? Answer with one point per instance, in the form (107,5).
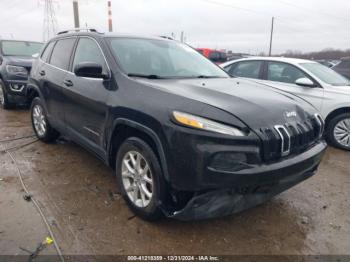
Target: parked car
(15,63)
(184,139)
(343,67)
(327,63)
(213,55)
(328,91)
(232,57)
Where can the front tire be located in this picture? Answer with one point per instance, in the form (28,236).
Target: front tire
(338,131)
(4,101)
(140,178)
(40,123)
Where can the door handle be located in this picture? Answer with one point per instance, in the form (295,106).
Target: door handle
(42,73)
(68,82)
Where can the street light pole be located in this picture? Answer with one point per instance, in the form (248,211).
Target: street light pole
(271,36)
(110,23)
(76,14)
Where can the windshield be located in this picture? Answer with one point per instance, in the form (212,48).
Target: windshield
(326,74)
(162,59)
(20,48)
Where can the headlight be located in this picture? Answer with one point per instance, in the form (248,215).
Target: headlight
(16,70)
(205,124)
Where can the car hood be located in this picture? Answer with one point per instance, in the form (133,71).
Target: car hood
(24,61)
(254,104)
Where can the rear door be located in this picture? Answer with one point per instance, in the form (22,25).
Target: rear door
(52,74)
(246,69)
(86,109)
(283,76)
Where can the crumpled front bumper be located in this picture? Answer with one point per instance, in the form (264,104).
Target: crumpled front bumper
(225,202)
(246,194)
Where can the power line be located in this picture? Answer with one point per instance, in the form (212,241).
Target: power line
(308,10)
(262,13)
(15,16)
(238,7)
(50,22)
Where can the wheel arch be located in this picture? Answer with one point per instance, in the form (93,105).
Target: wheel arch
(334,113)
(124,128)
(32,91)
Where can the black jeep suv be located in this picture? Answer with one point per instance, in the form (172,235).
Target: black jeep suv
(15,64)
(185,139)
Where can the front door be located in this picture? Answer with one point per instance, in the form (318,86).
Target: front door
(283,76)
(85,108)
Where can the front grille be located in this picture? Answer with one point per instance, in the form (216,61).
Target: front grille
(290,138)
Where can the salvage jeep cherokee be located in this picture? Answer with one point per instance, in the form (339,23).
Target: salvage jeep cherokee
(185,139)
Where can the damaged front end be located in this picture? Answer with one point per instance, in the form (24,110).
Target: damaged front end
(223,202)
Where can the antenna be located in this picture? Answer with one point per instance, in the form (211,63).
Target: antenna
(50,22)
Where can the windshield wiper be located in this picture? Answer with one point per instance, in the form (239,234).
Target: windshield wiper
(146,76)
(205,76)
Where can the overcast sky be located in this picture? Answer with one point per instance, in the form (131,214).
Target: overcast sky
(237,25)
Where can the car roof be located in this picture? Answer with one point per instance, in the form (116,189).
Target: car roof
(271,58)
(109,35)
(18,40)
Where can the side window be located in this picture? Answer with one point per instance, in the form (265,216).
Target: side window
(281,72)
(249,69)
(62,52)
(228,68)
(88,51)
(47,51)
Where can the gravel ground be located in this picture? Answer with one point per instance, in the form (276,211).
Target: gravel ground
(79,197)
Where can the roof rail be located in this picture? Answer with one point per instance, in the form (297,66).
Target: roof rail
(78,30)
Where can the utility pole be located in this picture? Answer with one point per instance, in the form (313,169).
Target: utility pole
(76,13)
(50,22)
(110,22)
(182,37)
(273,20)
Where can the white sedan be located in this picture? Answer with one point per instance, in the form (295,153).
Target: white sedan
(327,90)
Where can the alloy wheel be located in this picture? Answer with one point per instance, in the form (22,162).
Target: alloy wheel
(342,132)
(2,96)
(137,178)
(39,120)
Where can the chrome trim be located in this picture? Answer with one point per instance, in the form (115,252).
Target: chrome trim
(79,37)
(91,131)
(284,151)
(17,90)
(320,122)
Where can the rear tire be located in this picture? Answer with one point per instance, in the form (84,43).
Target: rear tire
(40,123)
(143,189)
(4,101)
(338,131)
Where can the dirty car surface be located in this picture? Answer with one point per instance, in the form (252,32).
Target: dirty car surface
(184,139)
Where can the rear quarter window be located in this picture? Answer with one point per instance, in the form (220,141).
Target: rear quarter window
(62,53)
(47,51)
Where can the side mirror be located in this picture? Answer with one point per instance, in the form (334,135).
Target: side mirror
(89,69)
(305,82)
(36,55)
